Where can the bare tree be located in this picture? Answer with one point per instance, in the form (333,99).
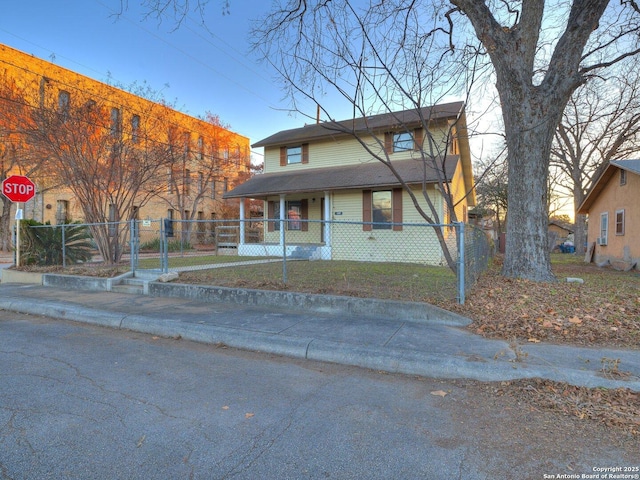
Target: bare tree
(601,123)
(539,52)
(194,168)
(17,156)
(492,186)
(110,171)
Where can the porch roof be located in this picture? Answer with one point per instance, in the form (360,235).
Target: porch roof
(373,174)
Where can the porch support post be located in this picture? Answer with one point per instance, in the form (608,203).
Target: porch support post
(327,219)
(241,221)
(283,214)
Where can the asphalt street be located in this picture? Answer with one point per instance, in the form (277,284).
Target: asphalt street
(79,401)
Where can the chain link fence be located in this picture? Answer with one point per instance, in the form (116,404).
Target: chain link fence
(402,261)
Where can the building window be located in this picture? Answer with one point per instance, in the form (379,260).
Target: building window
(402,142)
(201,148)
(382,214)
(62,212)
(382,210)
(604,228)
(294,155)
(619,222)
(294,214)
(200,183)
(297,213)
(186,186)
(212,186)
(115,122)
(64,102)
(135,128)
(623,177)
(169,180)
(186,144)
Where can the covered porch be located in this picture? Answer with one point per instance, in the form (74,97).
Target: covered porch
(294,225)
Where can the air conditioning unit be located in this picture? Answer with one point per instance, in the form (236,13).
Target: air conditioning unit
(601,241)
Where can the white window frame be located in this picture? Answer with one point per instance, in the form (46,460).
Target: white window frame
(294,155)
(604,227)
(619,222)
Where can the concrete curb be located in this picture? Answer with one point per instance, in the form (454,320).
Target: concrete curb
(392,360)
(293,301)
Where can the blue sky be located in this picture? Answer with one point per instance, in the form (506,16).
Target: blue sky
(202,71)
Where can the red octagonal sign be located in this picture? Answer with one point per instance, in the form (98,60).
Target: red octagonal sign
(18,188)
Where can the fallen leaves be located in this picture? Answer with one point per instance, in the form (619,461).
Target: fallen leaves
(617,408)
(604,311)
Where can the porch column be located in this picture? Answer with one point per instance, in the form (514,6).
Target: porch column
(241,221)
(283,216)
(327,219)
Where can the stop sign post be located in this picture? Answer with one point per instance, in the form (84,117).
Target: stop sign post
(18,188)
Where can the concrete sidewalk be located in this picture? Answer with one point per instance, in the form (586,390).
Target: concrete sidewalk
(430,347)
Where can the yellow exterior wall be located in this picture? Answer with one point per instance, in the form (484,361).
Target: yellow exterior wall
(42,81)
(345,150)
(349,241)
(612,198)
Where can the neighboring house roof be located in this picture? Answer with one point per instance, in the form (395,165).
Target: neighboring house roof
(373,174)
(386,121)
(632,166)
(562,226)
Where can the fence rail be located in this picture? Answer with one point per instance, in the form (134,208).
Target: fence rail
(456,252)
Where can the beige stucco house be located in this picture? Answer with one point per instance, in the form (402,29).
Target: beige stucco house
(613,207)
(336,199)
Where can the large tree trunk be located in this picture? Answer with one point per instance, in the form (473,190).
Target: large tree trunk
(529,137)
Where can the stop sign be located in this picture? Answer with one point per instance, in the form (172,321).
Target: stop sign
(18,188)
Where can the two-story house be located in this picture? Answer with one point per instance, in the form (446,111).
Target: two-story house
(342,190)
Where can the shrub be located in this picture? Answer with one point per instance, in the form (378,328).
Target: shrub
(42,244)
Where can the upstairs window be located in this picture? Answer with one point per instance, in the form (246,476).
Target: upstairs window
(64,102)
(115,122)
(294,155)
(135,128)
(402,142)
(201,148)
(623,177)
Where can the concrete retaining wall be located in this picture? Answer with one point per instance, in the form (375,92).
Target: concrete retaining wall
(329,304)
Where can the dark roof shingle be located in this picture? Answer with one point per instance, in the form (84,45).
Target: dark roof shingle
(373,123)
(372,174)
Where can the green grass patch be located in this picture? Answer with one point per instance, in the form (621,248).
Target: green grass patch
(397,281)
(193,260)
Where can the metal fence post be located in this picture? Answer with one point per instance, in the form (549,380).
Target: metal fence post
(64,249)
(461,262)
(132,251)
(284,253)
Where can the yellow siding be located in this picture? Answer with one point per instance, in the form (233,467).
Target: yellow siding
(345,151)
